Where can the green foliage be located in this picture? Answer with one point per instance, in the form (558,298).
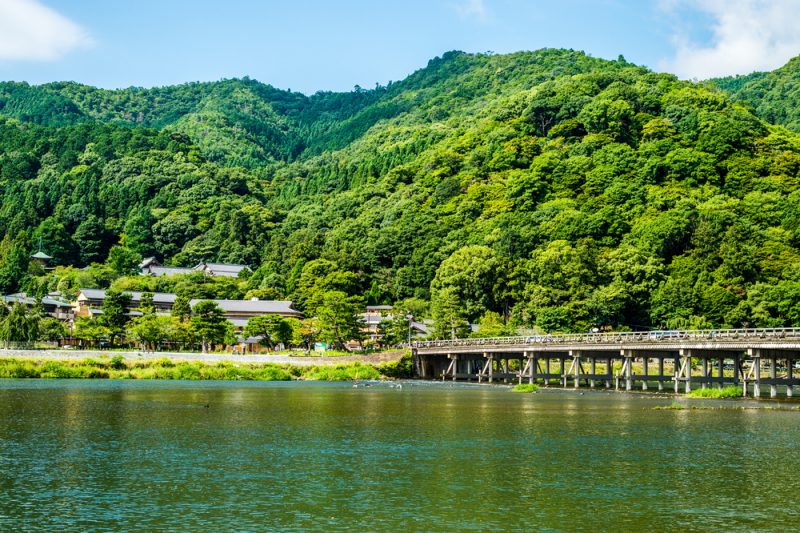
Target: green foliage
(559,191)
(150,331)
(118,368)
(208,324)
(525,387)
(91,330)
(402,368)
(116,306)
(51,329)
(345,372)
(123,260)
(274,330)
(491,325)
(338,319)
(181,309)
(774,95)
(19,326)
(712,392)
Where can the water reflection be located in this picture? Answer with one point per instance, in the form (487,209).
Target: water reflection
(221,456)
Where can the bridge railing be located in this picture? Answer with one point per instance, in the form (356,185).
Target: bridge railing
(622,337)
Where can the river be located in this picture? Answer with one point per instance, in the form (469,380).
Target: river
(231,456)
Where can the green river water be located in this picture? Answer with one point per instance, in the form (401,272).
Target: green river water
(231,456)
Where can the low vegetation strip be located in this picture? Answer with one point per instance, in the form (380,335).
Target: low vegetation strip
(525,387)
(118,368)
(727,392)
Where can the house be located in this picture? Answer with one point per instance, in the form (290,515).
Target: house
(372,319)
(52,306)
(220,269)
(90,302)
(153,267)
(158,271)
(239,312)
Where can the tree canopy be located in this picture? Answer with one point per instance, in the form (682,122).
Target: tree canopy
(556,190)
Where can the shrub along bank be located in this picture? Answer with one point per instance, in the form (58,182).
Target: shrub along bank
(118,368)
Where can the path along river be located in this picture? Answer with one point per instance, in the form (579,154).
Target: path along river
(227,456)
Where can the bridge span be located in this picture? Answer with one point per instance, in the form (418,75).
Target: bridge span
(752,358)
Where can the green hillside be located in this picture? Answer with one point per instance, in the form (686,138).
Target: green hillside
(774,95)
(557,190)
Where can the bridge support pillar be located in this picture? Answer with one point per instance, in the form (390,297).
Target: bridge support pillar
(594,371)
(773,374)
(755,370)
(576,368)
(721,372)
(547,370)
(627,368)
(645,371)
(676,365)
(609,370)
(660,373)
(789,363)
(705,373)
(563,370)
(685,372)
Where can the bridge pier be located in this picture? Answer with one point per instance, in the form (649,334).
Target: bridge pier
(789,377)
(645,371)
(660,374)
(575,368)
(757,366)
(773,375)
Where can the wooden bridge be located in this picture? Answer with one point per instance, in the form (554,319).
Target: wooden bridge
(750,358)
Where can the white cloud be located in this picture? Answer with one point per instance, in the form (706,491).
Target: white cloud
(473,9)
(30,31)
(746,35)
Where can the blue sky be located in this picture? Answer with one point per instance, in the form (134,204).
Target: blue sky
(310,45)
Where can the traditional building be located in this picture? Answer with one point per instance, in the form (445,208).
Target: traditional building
(152,267)
(238,312)
(52,306)
(372,319)
(220,269)
(90,301)
(41,259)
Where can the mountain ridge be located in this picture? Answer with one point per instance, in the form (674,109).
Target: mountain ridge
(558,190)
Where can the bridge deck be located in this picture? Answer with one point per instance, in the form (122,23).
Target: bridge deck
(737,357)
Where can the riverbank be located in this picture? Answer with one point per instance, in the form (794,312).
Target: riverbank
(117,366)
(138,355)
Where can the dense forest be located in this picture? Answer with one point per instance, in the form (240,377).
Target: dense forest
(543,189)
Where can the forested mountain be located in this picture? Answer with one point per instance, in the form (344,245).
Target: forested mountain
(774,95)
(558,190)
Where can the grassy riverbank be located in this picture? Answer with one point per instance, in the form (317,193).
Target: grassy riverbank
(119,368)
(727,392)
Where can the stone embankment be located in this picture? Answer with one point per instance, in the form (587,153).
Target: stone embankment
(280,359)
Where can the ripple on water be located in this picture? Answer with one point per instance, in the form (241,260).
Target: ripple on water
(299,456)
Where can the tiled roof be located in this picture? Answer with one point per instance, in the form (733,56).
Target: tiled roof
(27,300)
(255,306)
(168,271)
(158,297)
